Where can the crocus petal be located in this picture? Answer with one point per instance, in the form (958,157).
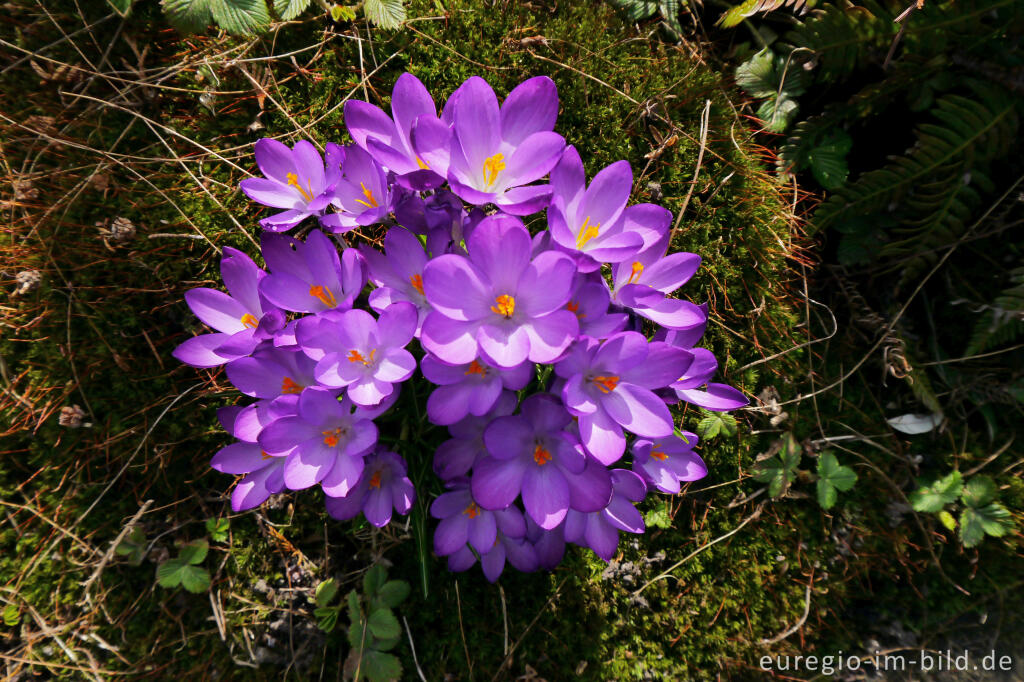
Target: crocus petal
(550,335)
(252,490)
(482,532)
(365,121)
(607,195)
(456,287)
(308,465)
(397,365)
(671,272)
(500,247)
(284,434)
(199,351)
(601,537)
(493,563)
(545,495)
(274,159)
(700,370)
(451,534)
(477,122)
(504,345)
(309,166)
(640,411)
(239,458)
(546,284)
(377,508)
(397,324)
(717,397)
(496,482)
(432,140)
(623,515)
(602,437)
(531,107)
(448,404)
(591,489)
(343,476)
(533,158)
(508,437)
(522,201)
(452,341)
(217,309)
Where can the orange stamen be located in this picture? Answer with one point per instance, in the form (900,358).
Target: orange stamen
(375,480)
(492,166)
(540,455)
(506,305)
(658,454)
(264,455)
(356,356)
(289,387)
(324,295)
(472,511)
(332,437)
(606,384)
(370,202)
(417,283)
(638,269)
(293,180)
(419,162)
(476,368)
(249,321)
(587,232)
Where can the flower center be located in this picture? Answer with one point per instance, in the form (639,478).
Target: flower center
(574,308)
(249,321)
(288,386)
(658,454)
(476,368)
(375,480)
(417,283)
(356,356)
(324,294)
(506,305)
(540,455)
(492,166)
(606,384)
(638,269)
(587,232)
(370,202)
(332,437)
(293,180)
(423,166)
(472,511)
(264,455)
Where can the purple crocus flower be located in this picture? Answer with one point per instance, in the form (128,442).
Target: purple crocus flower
(467,389)
(310,277)
(600,530)
(644,282)
(667,461)
(548,545)
(463,520)
(272,372)
(589,302)
(243,318)
(532,454)
(587,221)
(398,273)
(325,443)
(383,486)
(496,151)
(610,385)
(296,179)
(455,457)
(389,141)
(363,355)
(362,196)
(497,302)
(715,397)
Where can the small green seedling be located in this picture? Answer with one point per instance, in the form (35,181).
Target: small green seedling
(832,476)
(218,529)
(184,570)
(132,546)
(980,514)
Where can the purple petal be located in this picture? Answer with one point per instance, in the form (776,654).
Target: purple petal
(239,458)
(640,411)
(217,309)
(531,107)
(717,397)
(602,437)
(545,495)
(199,350)
(496,482)
(533,158)
(308,465)
(452,341)
(505,345)
(343,475)
(365,121)
(456,287)
(477,122)
(482,532)
(274,159)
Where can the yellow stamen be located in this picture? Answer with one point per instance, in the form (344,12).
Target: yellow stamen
(658,454)
(540,455)
(476,368)
(492,166)
(293,180)
(288,386)
(356,356)
(332,437)
(419,162)
(606,384)
(472,511)
(370,201)
(324,294)
(638,269)
(506,305)
(264,455)
(375,480)
(249,321)
(417,283)
(587,232)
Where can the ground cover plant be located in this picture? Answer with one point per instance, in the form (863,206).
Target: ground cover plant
(123,147)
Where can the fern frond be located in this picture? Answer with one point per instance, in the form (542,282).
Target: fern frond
(841,38)
(1003,322)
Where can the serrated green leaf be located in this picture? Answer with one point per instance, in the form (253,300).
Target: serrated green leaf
(374,579)
(325,592)
(994,518)
(195,579)
(658,518)
(240,17)
(121,6)
(777,113)
(289,9)
(383,624)
(188,16)
(387,14)
(355,614)
(326,617)
(218,529)
(709,427)
(829,469)
(971,530)
(380,667)
(11,615)
(386,644)
(979,491)
(393,593)
(636,10)
(133,546)
(932,498)
(790,453)
(826,494)
(729,424)
(194,552)
(947,520)
(175,572)
(828,160)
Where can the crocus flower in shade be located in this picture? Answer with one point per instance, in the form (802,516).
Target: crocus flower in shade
(398,272)
(667,461)
(326,442)
(467,389)
(362,196)
(497,302)
(529,453)
(389,141)
(442,211)
(242,317)
(548,545)
(714,397)
(272,372)
(264,474)
(309,277)
(587,221)
(644,282)
(296,180)
(463,520)
(497,151)
(589,302)
(600,530)
(383,487)
(455,457)
(610,385)
(363,355)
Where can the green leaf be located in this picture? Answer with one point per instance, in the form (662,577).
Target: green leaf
(121,6)
(777,113)
(11,615)
(729,425)
(829,469)
(995,519)
(971,530)
(326,617)
(194,552)
(133,546)
(778,81)
(195,579)
(775,474)
(188,16)
(979,491)
(325,592)
(218,529)
(790,453)
(383,624)
(387,14)
(947,520)
(637,10)
(932,498)
(826,494)
(240,17)
(374,579)
(289,9)
(393,593)
(346,13)
(175,572)
(380,667)
(709,427)
(658,518)
(828,160)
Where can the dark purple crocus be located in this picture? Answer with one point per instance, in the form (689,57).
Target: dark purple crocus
(388,138)
(548,545)
(644,282)
(363,355)
(296,180)
(309,277)
(398,272)
(496,152)
(600,530)
(610,386)
(470,389)
(497,302)
(325,443)
(586,222)
(383,487)
(463,520)
(455,457)
(363,195)
(589,302)
(272,372)
(665,462)
(242,317)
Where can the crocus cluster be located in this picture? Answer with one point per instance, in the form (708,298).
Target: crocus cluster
(542,366)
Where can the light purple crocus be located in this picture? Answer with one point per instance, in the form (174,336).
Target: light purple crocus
(495,152)
(325,443)
(600,530)
(362,197)
(664,463)
(589,302)
(263,473)
(398,272)
(296,180)
(272,372)
(242,317)
(469,389)
(463,520)
(644,282)
(715,397)
(455,457)
(309,277)
(383,487)
(363,355)
(609,386)
(497,302)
